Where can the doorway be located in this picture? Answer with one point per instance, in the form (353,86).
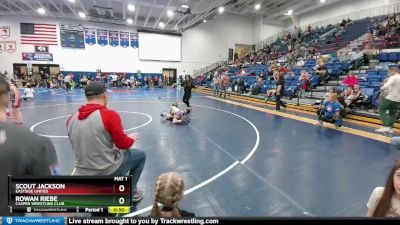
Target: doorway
(169,76)
(51,69)
(20,70)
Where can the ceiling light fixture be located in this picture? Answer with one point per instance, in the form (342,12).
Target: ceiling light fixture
(221,9)
(204,21)
(72,1)
(170,13)
(322,1)
(41,11)
(161,24)
(185,6)
(290,12)
(131,7)
(82,14)
(257,6)
(129,21)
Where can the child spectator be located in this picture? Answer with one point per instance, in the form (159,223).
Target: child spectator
(330,112)
(169,192)
(28,92)
(303,83)
(385,201)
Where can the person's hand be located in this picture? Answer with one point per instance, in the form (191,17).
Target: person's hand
(134,136)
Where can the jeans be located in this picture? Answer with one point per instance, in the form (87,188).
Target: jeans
(133,164)
(223,91)
(388,120)
(216,89)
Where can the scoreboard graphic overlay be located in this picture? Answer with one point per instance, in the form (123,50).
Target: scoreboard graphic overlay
(70,194)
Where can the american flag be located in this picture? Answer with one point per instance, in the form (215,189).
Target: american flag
(38,34)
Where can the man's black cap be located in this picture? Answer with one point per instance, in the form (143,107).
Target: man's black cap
(94,88)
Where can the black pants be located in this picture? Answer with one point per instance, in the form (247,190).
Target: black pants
(67,86)
(279,102)
(186,97)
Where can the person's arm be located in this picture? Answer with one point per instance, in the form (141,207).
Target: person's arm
(112,123)
(387,84)
(374,200)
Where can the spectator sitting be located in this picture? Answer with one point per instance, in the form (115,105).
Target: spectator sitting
(28,92)
(255,89)
(241,86)
(322,71)
(300,62)
(169,192)
(350,80)
(330,112)
(354,96)
(343,24)
(385,201)
(99,143)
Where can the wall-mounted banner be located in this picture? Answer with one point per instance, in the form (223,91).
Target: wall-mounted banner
(114,38)
(90,36)
(102,38)
(41,48)
(124,39)
(30,56)
(2,46)
(135,40)
(4,32)
(11,46)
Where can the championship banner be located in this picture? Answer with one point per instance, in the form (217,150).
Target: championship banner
(114,38)
(30,56)
(124,39)
(2,47)
(90,36)
(135,40)
(102,37)
(11,46)
(4,32)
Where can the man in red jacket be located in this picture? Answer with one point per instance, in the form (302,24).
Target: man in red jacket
(99,142)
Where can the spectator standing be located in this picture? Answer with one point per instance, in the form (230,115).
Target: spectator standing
(391,102)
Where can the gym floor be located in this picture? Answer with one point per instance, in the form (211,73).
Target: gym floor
(236,161)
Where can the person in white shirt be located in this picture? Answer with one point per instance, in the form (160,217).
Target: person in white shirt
(385,201)
(28,92)
(67,83)
(391,103)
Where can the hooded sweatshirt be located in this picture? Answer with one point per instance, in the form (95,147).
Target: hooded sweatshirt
(97,136)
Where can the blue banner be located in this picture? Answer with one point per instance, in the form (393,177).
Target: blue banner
(102,37)
(19,220)
(135,40)
(124,39)
(30,56)
(114,38)
(90,36)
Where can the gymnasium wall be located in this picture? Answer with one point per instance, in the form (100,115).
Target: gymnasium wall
(201,46)
(341,8)
(210,42)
